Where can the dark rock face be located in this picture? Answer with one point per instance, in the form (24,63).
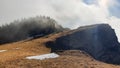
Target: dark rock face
(99,41)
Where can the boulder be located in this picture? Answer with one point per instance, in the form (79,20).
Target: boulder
(99,40)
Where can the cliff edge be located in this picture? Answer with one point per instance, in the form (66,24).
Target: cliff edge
(99,40)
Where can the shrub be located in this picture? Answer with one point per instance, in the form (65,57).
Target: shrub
(31,27)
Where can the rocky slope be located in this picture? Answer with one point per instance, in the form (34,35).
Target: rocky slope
(98,40)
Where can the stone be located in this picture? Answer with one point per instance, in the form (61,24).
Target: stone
(99,40)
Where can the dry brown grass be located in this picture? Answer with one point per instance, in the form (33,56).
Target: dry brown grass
(26,48)
(15,58)
(33,47)
(68,59)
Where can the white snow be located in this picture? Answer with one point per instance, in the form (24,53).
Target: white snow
(3,50)
(44,56)
(16,48)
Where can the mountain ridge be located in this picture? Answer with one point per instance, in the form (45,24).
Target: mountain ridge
(98,40)
(15,54)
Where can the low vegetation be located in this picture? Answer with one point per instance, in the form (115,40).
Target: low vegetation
(27,28)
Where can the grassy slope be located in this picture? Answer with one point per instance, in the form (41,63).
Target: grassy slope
(15,58)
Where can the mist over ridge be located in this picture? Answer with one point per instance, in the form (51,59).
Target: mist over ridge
(28,28)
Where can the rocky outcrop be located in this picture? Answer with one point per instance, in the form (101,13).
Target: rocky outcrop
(99,40)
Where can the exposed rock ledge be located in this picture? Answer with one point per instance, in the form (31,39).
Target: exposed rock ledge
(99,40)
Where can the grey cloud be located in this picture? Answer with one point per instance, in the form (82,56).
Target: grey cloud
(69,13)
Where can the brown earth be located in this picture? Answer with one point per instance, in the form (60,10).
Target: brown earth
(16,52)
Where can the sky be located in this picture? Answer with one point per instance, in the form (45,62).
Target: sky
(68,13)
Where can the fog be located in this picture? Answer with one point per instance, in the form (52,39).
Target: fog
(68,13)
(30,28)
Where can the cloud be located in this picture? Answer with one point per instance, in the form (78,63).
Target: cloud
(115,8)
(75,13)
(90,2)
(69,13)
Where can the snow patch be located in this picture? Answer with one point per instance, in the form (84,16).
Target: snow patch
(45,56)
(3,50)
(17,48)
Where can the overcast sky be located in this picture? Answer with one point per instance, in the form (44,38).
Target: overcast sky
(69,13)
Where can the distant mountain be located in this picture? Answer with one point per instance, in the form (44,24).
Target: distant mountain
(33,27)
(99,40)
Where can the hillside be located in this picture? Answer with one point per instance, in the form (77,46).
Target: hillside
(99,40)
(33,27)
(16,53)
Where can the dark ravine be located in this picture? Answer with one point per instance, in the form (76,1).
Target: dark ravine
(99,40)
